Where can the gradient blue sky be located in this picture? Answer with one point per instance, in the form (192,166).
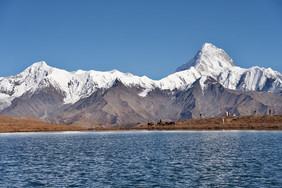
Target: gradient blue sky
(143,37)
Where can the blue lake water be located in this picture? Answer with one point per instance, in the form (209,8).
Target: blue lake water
(142,159)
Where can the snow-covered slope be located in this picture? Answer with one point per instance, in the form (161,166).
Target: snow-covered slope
(209,61)
(72,85)
(208,58)
(214,62)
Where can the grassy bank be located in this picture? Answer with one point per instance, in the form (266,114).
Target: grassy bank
(255,122)
(10,124)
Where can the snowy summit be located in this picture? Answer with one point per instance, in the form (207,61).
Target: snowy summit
(208,57)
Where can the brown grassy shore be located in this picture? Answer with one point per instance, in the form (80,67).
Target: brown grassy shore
(10,124)
(254,122)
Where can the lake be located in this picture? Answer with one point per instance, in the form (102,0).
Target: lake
(142,159)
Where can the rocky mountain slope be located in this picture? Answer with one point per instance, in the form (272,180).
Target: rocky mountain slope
(208,84)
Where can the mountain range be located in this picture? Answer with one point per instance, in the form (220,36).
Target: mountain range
(209,84)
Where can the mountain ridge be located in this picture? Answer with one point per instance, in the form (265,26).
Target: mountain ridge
(79,84)
(66,97)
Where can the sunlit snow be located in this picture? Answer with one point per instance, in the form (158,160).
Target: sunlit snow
(209,62)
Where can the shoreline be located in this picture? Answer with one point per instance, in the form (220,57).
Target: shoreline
(129,130)
(126,129)
(236,123)
(132,130)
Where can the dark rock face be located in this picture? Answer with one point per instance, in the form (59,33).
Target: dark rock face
(121,105)
(41,104)
(118,105)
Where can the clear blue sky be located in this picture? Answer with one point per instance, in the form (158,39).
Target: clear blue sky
(143,37)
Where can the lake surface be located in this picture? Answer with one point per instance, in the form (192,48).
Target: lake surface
(142,159)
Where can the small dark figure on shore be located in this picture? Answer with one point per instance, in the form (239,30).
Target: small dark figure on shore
(200,116)
(170,123)
(150,123)
(269,111)
(255,112)
(160,122)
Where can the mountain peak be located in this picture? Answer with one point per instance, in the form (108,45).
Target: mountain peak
(38,67)
(209,57)
(207,46)
(37,70)
(39,64)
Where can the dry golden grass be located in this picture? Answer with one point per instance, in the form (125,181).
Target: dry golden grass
(10,124)
(255,122)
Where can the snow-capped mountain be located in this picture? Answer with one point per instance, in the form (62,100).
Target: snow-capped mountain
(72,85)
(214,62)
(45,91)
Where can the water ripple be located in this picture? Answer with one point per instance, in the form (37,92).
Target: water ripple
(142,159)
